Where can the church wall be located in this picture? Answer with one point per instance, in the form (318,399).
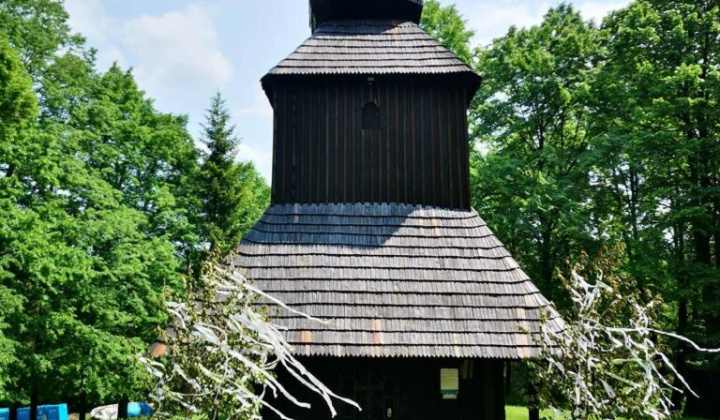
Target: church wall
(328,148)
(401,389)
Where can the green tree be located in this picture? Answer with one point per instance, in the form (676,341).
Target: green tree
(93,223)
(232,195)
(18,108)
(660,117)
(448,26)
(146,156)
(530,174)
(37,29)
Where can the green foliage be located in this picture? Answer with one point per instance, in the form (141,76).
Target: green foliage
(99,213)
(37,29)
(233,195)
(530,170)
(447,25)
(83,259)
(93,221)
(610,135)
(609,361)
(658,92)
(17,111)
(18,105)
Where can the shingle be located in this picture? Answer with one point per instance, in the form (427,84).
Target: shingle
(372,48)
(431,282)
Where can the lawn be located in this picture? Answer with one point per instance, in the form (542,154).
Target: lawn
(521,413)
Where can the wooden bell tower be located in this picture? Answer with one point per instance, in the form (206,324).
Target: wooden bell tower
(371,227)
(380,118)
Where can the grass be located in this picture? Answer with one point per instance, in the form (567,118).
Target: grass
(521,413)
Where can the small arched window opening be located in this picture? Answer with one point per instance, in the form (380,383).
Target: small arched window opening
(371,116)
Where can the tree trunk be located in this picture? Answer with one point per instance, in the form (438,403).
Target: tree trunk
(13,411)
(123,408)
(83,406)
(34,405)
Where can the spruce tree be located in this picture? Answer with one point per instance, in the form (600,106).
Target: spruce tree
(228,190)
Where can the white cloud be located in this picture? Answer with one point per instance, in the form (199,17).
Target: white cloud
(259,107)
(492,18)
(173,54)
(176,50)
(88,17)
(597,10)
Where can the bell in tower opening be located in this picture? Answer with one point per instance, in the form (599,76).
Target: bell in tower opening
(371,227)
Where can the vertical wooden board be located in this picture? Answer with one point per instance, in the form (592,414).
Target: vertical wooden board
(373,167)
(319,114)
(403,140)
(279,175)
(347,142)
(413,140)
(313,121)
(364,164)
(328,145)
(434,146)
(293,149)
(324,142)
(353,142)
(381,145)
(384,158)
(335,151)
(466,150)
(276,134)
(365,159)
(341,140)
(387,112)
(450,111)
(304,140)
(459,141)
(424,144)
(442,146)
(396,145)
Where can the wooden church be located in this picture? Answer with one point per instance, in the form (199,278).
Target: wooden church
(371,227)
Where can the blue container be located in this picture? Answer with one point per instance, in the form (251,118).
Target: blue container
(4,414)
(45,412)
(136,410)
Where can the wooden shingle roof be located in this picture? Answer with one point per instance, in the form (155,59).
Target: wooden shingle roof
(370,47)
(394,281)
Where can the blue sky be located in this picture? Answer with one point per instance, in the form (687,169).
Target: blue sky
(182,51)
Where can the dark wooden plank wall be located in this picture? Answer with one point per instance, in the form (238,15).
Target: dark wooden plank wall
(410,388)
(418,156)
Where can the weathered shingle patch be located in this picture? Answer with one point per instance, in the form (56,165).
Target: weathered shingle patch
(394,280)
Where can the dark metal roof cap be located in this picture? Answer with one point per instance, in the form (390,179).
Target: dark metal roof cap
(324,10)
